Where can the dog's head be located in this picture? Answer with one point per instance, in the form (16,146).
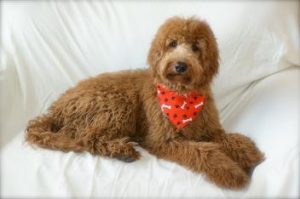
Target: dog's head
(184,54)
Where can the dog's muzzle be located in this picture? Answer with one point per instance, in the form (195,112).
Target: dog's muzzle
(180,67)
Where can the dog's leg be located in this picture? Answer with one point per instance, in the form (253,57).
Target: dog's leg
(203,157)
(92,141)
(238,147)
(113,147)
(54,141)
(43,132)
(241,149)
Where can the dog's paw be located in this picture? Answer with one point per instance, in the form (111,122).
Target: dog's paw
(244,152)
(224,172)
(229,177)
(125,151)
(128,158)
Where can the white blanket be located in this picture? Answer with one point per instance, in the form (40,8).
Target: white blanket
(49,46)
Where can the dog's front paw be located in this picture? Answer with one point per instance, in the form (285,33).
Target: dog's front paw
(125,151)
(243,150)
(231,177)
(128,157)
(224,172)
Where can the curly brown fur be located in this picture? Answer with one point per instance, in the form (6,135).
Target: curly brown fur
(108,114)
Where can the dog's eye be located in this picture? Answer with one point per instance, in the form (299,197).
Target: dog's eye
(172,44)
(195,47)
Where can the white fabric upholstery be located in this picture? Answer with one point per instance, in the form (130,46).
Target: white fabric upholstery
(48,47)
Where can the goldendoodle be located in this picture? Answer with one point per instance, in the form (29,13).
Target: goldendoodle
(167,109)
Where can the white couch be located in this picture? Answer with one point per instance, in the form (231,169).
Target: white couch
(49,46)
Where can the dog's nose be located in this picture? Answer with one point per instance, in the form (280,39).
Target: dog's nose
(180,67)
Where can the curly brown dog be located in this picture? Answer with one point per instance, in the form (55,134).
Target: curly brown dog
(111,113)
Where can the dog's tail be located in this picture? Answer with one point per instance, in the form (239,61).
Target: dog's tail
(43,132)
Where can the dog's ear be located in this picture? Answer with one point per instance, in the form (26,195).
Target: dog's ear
(210,55)
(154,54)
(158,44)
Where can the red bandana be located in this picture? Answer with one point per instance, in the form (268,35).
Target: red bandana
(181,110)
